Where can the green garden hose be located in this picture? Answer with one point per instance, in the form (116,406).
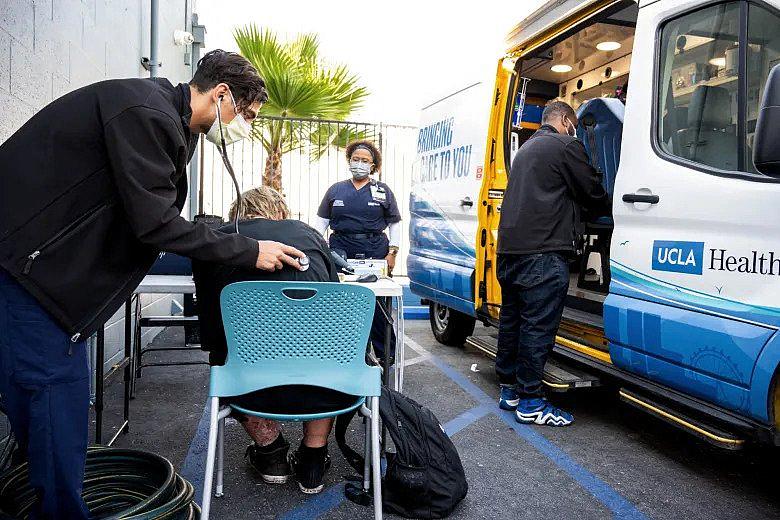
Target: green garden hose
(119,484)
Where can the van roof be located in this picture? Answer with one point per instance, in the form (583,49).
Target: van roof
(550,21)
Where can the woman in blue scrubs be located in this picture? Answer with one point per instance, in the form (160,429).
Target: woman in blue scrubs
(359,210)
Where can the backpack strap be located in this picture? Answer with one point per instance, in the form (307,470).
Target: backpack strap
(354,458)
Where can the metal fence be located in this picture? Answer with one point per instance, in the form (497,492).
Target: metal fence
(313,159)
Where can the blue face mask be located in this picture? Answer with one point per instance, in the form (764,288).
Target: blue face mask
(359,170)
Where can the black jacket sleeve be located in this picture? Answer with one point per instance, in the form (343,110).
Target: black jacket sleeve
(584,180)
(143,145)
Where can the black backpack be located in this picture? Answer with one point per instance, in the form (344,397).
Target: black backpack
(424,478)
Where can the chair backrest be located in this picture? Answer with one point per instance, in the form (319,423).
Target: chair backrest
(306,333)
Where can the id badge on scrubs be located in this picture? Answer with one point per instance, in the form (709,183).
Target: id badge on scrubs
(378,193)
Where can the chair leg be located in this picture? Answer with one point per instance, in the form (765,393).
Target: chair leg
(367,455)
(220,456)
(376,465)
(210,456)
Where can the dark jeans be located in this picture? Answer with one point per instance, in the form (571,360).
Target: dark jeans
(44,383)
(375,247)
(533,291)
(377,335)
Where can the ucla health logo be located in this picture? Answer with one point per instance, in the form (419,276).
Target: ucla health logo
(678,257)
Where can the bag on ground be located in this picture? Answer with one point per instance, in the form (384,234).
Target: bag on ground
(424,477)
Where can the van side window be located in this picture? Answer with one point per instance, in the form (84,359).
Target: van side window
(706,114)
(763,54)
(698,85)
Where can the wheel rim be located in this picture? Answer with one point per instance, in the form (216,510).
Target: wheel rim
(441,316)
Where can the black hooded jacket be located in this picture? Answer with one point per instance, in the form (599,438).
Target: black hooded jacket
(550,183)
(91,190)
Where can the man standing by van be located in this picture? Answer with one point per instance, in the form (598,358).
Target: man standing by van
(91,190)
(550,182)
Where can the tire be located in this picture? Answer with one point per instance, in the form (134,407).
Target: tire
(449,326)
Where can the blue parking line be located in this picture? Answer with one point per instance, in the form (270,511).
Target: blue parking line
(320,504)
(603,492)
(194,466)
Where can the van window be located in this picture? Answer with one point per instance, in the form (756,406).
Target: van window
(697,89)
(763,54)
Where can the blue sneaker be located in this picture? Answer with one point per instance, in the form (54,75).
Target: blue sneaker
(539,411)
(509,398)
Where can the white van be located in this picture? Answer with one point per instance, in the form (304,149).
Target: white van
(677,295)
(443,207)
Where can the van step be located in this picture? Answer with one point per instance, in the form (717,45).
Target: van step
(558,375)
(712,434)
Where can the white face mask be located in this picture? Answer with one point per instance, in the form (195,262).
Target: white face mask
(570,128)
(359,170)
(236,130)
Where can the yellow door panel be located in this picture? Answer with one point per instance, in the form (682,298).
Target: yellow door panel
(488,291)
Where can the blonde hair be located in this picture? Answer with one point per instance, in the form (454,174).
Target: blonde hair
(262,202)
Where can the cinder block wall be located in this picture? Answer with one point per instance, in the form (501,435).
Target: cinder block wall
(50,47)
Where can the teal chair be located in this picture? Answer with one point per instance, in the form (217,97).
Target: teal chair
(287,333)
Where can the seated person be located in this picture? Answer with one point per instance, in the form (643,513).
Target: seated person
(263,215)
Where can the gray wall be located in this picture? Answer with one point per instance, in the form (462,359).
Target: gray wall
(50,47)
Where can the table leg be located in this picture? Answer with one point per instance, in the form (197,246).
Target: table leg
(387,305)
(99,383)
(128,372)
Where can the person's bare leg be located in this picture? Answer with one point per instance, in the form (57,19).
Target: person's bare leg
(262,431)
(315,433)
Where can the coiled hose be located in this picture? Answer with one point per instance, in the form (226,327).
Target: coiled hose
(118,484)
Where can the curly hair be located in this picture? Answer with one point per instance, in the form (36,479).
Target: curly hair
(375,153)
(220,66)
(262,202)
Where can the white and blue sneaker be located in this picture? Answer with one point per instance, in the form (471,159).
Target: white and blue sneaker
(509,398)
(539,411)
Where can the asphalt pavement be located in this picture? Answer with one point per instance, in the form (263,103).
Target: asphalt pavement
(613,462)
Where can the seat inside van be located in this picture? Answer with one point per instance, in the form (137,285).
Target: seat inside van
(710,137)
(600,128)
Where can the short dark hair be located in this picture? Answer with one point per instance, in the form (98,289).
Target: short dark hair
(241,76)
(365,143)
(558,108)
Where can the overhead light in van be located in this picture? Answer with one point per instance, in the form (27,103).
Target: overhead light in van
(608,46)
(718,62)
(560,67)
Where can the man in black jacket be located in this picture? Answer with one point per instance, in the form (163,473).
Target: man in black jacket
(91,190)
(549,182)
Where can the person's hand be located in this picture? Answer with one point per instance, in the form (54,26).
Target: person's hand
(273,255)
(390,259)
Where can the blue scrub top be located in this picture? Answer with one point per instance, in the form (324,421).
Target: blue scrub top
(368,210)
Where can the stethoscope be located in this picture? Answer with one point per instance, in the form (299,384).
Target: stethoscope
(303,261)
(229,167)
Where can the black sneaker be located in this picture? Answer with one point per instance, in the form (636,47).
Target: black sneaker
(272,466)
(310,468)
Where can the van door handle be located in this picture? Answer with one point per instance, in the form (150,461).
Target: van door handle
(466,202)
(638,197)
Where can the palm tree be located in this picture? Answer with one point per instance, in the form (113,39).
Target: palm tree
(299,84)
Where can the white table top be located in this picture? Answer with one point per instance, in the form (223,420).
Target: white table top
(183,284)
(382,287)
(166,283)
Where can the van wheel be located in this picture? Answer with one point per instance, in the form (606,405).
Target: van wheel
(450,327)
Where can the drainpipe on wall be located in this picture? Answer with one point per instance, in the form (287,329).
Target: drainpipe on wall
(154,61)
(196,168)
